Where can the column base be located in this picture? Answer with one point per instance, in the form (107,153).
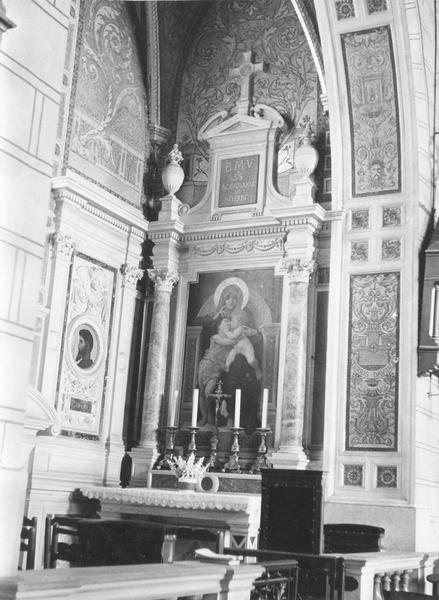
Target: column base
(144,458)
(290,457)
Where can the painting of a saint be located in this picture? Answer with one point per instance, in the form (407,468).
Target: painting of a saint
(85,347)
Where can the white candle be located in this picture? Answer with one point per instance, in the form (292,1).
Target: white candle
(264,408)
(237,407)
(172,410)
(195,407)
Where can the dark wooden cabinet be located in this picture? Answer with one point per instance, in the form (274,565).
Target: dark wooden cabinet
(291,511)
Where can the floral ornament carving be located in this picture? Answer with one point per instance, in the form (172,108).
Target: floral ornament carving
(90,292)
(163,279)
(63,244)
(247,246)
(299,270)
(131,275)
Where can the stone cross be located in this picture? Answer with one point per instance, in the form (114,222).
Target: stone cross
(245,71)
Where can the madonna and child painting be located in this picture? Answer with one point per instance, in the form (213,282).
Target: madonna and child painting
(230,315)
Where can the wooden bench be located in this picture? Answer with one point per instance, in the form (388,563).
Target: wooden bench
(320,577)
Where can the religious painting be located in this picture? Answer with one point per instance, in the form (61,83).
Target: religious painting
(86,339)
(232,343)
(372,403)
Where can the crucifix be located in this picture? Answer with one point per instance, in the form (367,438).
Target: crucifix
(246,71)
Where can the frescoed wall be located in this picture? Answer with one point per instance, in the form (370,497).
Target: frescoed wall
(107,125)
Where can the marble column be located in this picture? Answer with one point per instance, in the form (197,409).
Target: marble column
(164,281)
(291,453)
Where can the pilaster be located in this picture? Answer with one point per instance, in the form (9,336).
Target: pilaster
(130,274)
(291,451)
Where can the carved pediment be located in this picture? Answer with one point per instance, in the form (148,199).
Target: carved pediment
(264,118)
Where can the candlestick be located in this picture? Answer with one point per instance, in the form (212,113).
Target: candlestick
(172,410)
(195,407)
(264,409)
(237,408)
(192,448)
(170,445)
(233,463)
(261,461)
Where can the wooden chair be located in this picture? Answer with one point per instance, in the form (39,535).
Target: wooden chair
(28,540)
(61,541)
(352,537)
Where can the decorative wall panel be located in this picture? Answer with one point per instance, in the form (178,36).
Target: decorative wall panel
(85,346)
(107,126)
(271,30)
(372,403)
(373,111)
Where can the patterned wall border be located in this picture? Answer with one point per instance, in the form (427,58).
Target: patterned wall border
(372,382)
(373,111)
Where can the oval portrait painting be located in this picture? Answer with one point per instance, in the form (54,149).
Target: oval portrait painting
(85,346)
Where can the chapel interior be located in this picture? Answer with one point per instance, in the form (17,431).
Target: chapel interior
(219,252)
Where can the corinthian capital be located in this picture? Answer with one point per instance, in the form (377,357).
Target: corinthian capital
(163,279)
(131,275)
(299,270)
(63,244)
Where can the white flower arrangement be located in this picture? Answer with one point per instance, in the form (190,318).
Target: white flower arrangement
(190,469)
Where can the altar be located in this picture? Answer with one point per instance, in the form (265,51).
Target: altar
(239,514)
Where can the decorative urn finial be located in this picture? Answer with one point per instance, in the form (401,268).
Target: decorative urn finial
(306,157)
(173,174)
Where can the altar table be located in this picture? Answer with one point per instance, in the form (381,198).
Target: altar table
(240,513)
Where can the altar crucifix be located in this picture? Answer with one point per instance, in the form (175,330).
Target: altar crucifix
(220,407)
(246,72)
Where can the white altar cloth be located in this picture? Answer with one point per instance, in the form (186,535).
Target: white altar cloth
(240,512)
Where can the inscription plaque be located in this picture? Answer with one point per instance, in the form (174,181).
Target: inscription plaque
(238,181)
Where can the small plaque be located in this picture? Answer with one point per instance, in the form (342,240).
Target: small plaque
(238,181)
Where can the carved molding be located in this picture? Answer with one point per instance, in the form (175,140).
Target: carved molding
(126,221)
(241,247)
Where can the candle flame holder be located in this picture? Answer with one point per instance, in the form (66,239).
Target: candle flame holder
(232,464)
(170,446)
(261,461)
(192,448)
